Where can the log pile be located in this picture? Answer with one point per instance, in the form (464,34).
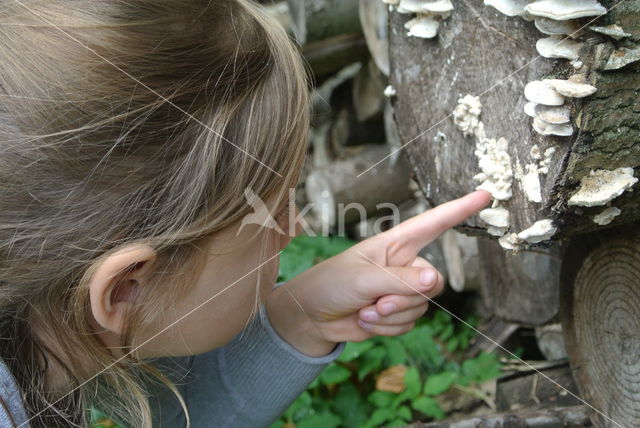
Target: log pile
(418,102)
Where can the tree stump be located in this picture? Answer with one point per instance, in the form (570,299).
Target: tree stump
(601,323)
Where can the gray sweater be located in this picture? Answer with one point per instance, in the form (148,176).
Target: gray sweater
(247,383)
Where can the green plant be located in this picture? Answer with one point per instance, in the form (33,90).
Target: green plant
(305,251)
(430,357)
(345,393)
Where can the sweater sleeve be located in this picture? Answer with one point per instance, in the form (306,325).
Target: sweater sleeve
(247,383)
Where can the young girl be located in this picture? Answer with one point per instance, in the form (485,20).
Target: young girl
(129,131)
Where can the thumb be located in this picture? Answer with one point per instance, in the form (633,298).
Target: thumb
(401,280)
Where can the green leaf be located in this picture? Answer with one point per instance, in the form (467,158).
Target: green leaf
(314,384)
(428,406)
(350,406)
(381,398)
(396,353)
(380,416)
(353,350)
(452,344)
(396,423)
(439,383)
(399,399)
(481,368)
(333,374)
(277,424)
(320,420)
(299,408)
(404,412)
(447,332)
(412,382)
(370,361)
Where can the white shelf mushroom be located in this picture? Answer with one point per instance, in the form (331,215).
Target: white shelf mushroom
(531,184)
(390,91)
(510,241)
(545,128)
(530,109)
(508,7)
(541,93)
(602,186)
(561,10)
(440,7)
(570,88)
(424,27)
(556,115)
(552,27)
(556,47)
(614,31)
(498,217)
(541,230)
(606,216)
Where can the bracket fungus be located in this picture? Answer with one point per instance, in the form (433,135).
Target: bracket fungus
(545,162)
(542,230)
(508,7)
(552,27)
(542,93)
(493,158)
(565,9)
(498,217)
(570,88)
(606,216)
(466,115)
(390,91)
(424,27)
(614,31)
(555,47)
(602,186)
(553,114)
(425,24)
(530,109)
(546,128)
(531,184)
(510,241)
(621,58)
(440,7)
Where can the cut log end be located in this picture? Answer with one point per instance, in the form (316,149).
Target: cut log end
(601,324)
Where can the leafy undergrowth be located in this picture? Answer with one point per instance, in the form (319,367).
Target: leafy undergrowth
(384,381)
(392,381)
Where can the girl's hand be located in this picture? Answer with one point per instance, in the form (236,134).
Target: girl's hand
(371,289)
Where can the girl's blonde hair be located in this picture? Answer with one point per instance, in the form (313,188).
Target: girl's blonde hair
(96,152)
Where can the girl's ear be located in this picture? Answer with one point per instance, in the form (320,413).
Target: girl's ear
(113,285)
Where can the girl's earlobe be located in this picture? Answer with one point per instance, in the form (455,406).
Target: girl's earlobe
(113,285)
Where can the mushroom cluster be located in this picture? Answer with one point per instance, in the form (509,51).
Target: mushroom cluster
(428,15)
(557,19)
(546,103)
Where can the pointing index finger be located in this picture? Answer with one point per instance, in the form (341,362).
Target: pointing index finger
(420,230)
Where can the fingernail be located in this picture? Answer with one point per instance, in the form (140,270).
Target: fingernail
(364,325)
(427,276)
(369,315)
(388,308)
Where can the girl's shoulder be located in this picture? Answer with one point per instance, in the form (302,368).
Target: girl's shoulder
(12,411)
